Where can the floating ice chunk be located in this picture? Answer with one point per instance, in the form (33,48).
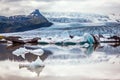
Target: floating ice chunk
(23,51)
(88,38)
(20,52)
(103,39)
(37,52)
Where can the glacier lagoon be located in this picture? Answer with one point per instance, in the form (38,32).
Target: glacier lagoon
(63,62)
(94,62)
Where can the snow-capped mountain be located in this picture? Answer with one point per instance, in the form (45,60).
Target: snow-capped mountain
(20,23)
(35,13)
(76,24)
(78,17)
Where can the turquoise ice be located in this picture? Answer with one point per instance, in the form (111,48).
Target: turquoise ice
(88,38)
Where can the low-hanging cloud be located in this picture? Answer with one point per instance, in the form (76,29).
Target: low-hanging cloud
(15,7)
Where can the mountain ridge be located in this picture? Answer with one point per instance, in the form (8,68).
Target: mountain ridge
(21,23)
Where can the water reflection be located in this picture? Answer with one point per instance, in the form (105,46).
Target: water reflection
(90,49)
(6,53)
(115,44)
(35,66)
(23,51)
(54,55)
(77,51)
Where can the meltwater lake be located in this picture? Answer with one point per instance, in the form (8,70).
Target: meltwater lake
(94,62)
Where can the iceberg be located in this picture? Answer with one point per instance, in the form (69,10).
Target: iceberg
(23,51)
(20,52)
(38,52)
(88,38)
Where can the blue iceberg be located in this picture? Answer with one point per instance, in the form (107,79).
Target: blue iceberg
(88,38)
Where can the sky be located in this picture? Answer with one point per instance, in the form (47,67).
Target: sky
(19,7)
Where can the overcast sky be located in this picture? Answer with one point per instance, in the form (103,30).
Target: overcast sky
(15,7)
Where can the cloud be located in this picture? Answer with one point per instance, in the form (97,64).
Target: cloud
(12,0)
(15,7)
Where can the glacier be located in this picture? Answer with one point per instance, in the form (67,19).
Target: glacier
(75,24)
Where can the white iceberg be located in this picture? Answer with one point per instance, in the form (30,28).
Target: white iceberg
(20,52)
(23,51)
(37,52)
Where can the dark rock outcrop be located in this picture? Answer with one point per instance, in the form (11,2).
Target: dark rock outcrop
(23,22)
(19,40)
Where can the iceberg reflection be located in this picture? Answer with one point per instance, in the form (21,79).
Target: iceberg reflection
(35,66)
(41,59)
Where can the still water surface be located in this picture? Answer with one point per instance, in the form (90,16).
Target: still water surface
(60,62)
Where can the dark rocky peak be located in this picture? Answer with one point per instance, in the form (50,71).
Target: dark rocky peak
(36,13)
(19,23)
